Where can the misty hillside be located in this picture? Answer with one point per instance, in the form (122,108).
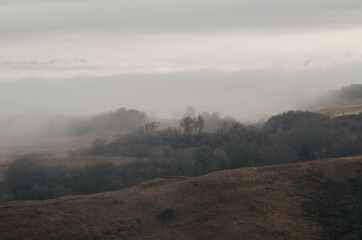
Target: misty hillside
(42,124)
(148,153)
(314,200)
(182,119)
(351,92)
(347,100)
(145,174)
(348,107)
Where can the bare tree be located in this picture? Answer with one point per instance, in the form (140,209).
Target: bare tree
(151,128)
(200,124)
(186,125)
(190,125)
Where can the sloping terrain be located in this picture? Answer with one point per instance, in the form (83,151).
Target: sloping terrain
(348,107)
(311,200)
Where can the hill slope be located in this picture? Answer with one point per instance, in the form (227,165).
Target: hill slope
(311,200)
(345,108)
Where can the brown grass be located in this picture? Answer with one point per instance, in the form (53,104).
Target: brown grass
(253,203)
(57,147)
(55,150)
(345,108)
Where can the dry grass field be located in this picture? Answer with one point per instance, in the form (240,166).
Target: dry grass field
(55,150)
(344,108)
(311,200)
(56,146)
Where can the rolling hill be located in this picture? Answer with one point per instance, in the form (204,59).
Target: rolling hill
(344,108)
(312,200)
(343,101)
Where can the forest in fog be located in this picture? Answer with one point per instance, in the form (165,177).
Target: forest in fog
(181,119)
(199,144)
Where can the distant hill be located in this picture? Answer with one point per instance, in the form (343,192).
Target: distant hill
(42,124)
(348,93)
(312,200)
(344,108)
(351,92)
(345,101)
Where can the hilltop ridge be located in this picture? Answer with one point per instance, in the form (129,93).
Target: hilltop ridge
(344,108)
(311,200)
(344,101)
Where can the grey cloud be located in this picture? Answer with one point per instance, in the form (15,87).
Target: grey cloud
(44,65)
(35,62)
(17,2)
(246,95)
(160,15)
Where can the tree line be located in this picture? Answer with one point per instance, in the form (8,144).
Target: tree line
(290,137)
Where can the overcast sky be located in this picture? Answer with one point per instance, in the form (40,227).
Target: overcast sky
(243,58)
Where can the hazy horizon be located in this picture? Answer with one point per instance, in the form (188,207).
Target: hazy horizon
(246,59)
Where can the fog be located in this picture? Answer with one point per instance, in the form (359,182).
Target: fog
(245,59)
(246,96)
(100,95)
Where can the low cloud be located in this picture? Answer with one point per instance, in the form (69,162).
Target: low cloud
(243,58)
(36,16)
(92,55)
(247,95)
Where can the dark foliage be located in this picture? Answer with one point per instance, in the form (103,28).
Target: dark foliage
(313,136)
(167,214)
(39,124)
(233,147)
(27,179)
(353,91)
(286,138)
(121,119)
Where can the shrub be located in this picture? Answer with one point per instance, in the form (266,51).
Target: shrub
(167,214)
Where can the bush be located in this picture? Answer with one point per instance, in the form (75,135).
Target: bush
(167,214)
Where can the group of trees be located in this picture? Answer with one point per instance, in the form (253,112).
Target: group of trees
(28,179)
(190,125)
(121,119)
(40,124)
(312,136)
(209,122)
(151,128)
(286,138)
(353,91)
